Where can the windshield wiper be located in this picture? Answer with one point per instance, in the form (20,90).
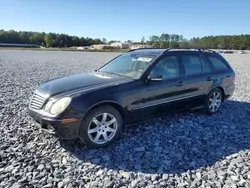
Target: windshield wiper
(112,73)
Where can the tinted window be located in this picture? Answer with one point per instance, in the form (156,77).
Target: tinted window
(205,64)
(217,63)
(168,67)
(192,64)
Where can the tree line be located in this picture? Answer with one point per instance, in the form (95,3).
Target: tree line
(237,42)
(46,39)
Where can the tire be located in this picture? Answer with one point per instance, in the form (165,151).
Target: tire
(213,101)
(101,127)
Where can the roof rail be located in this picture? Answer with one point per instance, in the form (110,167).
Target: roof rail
(141,49)
(201,49)
(167,49)
(212,51)
(134,49)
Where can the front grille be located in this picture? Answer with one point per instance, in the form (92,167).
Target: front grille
(37,101)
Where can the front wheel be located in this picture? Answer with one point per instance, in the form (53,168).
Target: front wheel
(213,101)
(101,127)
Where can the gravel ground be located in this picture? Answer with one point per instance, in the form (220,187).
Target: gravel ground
(181,150)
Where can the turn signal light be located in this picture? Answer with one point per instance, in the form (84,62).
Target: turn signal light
(70,120)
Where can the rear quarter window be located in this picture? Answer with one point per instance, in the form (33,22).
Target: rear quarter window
(217,63)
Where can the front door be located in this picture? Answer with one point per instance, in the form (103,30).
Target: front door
(157,94)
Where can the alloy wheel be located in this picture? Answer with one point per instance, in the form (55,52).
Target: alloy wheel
(214,101)
(102,128)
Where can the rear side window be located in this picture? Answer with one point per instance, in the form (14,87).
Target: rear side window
(217,63)
(205,64)
(192,64)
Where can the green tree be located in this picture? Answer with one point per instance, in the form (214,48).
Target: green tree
(164,40)
(143,40)
(48,40)
(184,44)
(33,39)
(162,44)
(154,38)
(154,41)
(104,40)
(112,41)
(75,41)
(128,41)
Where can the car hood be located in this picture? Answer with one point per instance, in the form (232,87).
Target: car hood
(79,81)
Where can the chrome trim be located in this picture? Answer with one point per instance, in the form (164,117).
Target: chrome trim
(146,106)
(37,100)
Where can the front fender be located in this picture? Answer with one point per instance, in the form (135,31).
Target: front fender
(88,101)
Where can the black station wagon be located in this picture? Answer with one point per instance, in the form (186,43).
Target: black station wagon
(134,86)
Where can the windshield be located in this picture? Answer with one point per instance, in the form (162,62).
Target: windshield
(129,65)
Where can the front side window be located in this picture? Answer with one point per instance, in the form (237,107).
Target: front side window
(168,67)
(192,64)
(129,65)
(217,63)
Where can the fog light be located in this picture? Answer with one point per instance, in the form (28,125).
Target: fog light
(50,128)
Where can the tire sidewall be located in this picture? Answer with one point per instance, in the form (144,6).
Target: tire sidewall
(83,132)
(207,101)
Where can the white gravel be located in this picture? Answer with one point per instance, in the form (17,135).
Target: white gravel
(180,150)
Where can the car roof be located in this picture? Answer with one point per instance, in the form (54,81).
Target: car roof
(158,51)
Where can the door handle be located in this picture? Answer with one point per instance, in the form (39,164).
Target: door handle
(180,83)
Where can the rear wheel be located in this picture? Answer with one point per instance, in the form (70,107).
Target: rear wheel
(213,101)
(101,127)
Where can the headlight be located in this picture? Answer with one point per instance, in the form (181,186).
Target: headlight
(48,106)
(59,106)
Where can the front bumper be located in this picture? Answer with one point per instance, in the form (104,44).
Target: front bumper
(55,126)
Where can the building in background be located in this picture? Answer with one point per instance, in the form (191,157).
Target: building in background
(137,46)
(100,46)
(82,47)
(120,45)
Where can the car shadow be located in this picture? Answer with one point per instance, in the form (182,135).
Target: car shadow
(174,143)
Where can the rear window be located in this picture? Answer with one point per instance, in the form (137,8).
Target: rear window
(217,63)
(192,64)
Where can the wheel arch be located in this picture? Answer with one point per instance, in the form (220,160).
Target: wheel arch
(221,89)
(113,104)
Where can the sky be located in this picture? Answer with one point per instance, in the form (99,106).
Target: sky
(128,19)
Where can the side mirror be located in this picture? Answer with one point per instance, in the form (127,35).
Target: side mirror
(155,78)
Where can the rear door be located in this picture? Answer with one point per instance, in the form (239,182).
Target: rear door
(225,75)
(199,75)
